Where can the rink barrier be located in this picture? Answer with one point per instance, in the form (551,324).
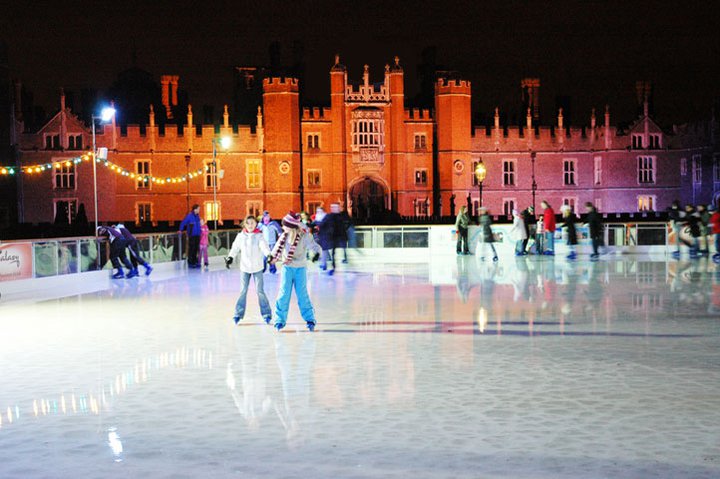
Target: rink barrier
(58,257)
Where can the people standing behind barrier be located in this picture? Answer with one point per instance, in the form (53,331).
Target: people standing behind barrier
(548,229)
(676,216)
(518,233)
(117,251)
(462,224)
(486,235)
(704,216)
(271,231)
(204,242)
(340,232)
(134,247)
(291,252)
(692,221)
(594,221)
(569,222)
(253,250)
(715,230)
(528,218)
(191,223)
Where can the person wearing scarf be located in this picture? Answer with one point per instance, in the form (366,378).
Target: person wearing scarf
(290,251)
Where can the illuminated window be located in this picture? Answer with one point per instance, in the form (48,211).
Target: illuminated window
(143,212)
(368,132)
(142,180)
(646,169)
(509,173)
(212,211)
(421,177)
(569,173)
(598,170)
(212,181)
(313,178)
(508,206)
(421,206)
(253,173)
(646,202)
(64,175)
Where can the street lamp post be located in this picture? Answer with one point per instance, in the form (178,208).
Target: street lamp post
(480,172)
(225,144)
(106,115)
(187,182)
(534,185)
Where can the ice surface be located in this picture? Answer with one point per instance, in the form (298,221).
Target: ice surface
(535,368)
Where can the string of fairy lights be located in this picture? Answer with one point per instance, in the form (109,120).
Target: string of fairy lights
(41,168)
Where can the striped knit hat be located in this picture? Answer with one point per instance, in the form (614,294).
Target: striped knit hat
(292,220)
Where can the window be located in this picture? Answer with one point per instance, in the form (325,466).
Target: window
(313,178)
(654,141)
(143,212)
(253,208)
(211,176)
(509,173)
(683,166)
(646,169)
(598,170)
(637,142)
(571,202)
(508,206)
(313,141)
(421,206)
(312,207)
(212,211)
(253,173)
(52,142)
(646,202)
(420,142)
(75,142)
(420,177)
(65,210)
(368,132)
(142,169)
(697,169)
(569,172)
(65,175)
(598,204)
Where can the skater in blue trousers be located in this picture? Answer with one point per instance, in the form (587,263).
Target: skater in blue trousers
(291,252)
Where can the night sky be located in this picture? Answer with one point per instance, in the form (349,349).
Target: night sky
(589,51)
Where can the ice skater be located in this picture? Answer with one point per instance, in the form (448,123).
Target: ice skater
(486,235)
(291,251)
(518,233)
(133,247)
(117,251)
(203,244)
(253,250)
(569,222)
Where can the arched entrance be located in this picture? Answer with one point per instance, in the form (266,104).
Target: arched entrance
(369,200)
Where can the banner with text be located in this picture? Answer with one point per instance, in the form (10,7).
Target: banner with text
(16,261)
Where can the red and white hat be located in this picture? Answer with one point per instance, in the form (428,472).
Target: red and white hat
(292,220)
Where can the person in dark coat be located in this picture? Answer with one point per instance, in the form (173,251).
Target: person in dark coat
(341,224)
(594,222)
(117,251)
(692,221)
(191,223)
(325,226)
(528,217)
(486,235)
(134,248)
(676,216)
(569,222)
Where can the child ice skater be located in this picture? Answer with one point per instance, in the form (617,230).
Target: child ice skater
(291,251)
(253,249)
(204,241)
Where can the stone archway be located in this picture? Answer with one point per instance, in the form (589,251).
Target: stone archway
(369,199)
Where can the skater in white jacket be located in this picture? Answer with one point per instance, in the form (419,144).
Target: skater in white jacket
(253,250)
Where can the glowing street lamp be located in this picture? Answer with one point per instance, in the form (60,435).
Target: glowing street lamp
(225,143)
(480,173)
(106,115)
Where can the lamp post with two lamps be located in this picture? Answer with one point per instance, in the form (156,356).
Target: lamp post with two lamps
(480,172)
(224,144)
(106,114)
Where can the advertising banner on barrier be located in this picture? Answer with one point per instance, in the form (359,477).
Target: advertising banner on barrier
(16,261)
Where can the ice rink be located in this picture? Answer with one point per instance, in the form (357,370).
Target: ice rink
(529,368)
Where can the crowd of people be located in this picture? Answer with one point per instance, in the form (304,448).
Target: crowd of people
(693,226)
(526,227)
(121,239)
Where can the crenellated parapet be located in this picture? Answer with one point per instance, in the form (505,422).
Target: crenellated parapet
(418,114)
(280,85)
(316,113)
(445,86)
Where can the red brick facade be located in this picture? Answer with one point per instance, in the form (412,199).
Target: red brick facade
(368,152)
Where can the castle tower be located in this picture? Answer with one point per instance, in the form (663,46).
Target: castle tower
(395,78)
(454,135)
(338,119)
(281,165)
